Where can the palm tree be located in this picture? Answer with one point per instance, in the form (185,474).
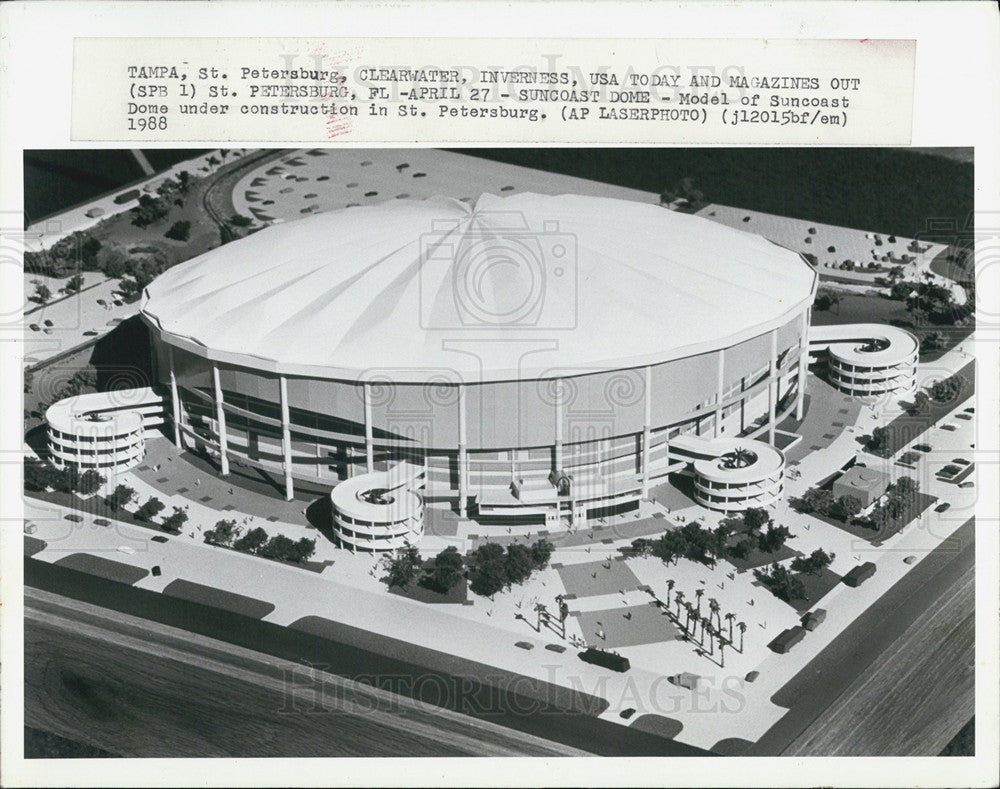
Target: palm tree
(670,588)
(722,657)
(698,595)
(742,626)
(679,599)
(706,627)
(713,607)
(729,618)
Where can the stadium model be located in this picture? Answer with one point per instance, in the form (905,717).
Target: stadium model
(533,358)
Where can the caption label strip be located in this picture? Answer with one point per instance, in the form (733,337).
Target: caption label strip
(492,90)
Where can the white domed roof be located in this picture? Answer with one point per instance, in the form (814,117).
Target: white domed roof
(522,286)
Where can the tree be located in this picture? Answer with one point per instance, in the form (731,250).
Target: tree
(814,563)
(223,533)
(238,220)
(818,500)
(905,488)
(518,563)
(149,210)
(278,547)
(714,608)
(449,567)
(847,507)
(781,582)
(774,538)
(404,567)
(541,552)
(756,518)
(42,293)
(179,231)
(921,403)
(931,341)
(39,475)
(878,444)
(252,541)
(901,291)
(121,496)
(88,251)
(175,521)
(73,284)
(149,510)
(184,181)
(303,550)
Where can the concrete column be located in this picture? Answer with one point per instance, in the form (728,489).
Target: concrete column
(772,387)
(558,460)
(286,438)
(646,419)
(175,400)
(463,471)
(800,397)
(369,443)
(220,417)
(720,384)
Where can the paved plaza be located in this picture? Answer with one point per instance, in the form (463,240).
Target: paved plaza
(598,578)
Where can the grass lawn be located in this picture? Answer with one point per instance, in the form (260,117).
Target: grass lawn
(33,545)
(907,427)
(816,585)
(757,557)
(872,308)
(423,592)
(876,537)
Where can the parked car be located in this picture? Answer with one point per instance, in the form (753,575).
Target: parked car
(909,559)
(963,461)
(159,538)
(967,484)
(970,410)
(923,447)
(942,507)
(34,327)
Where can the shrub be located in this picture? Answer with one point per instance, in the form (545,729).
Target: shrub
(149,210)
(42,293)
(179,231)
(238,220)
(831,249)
